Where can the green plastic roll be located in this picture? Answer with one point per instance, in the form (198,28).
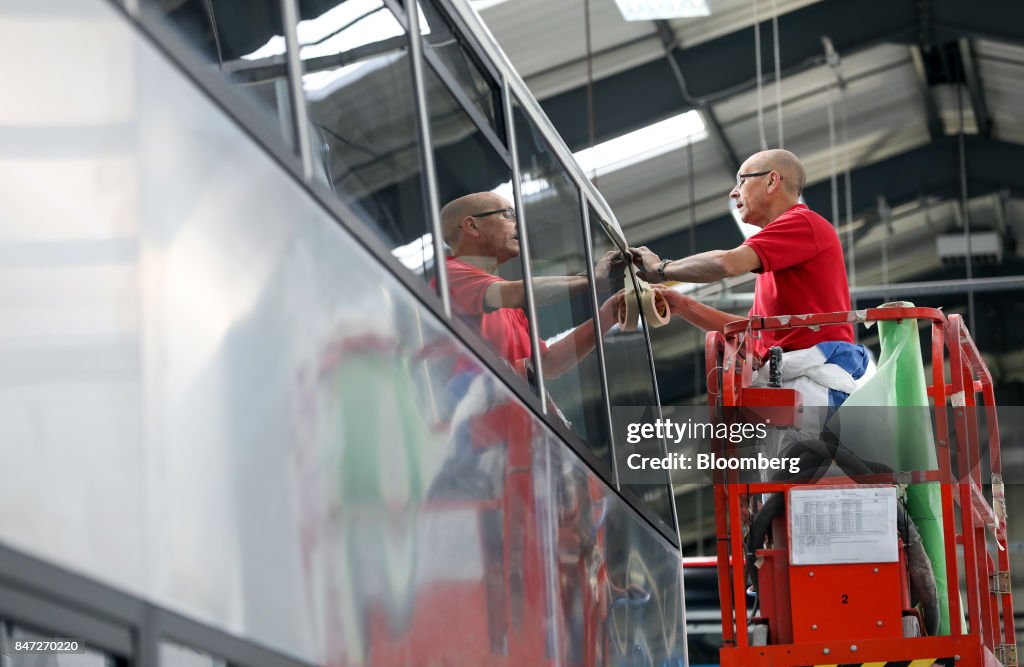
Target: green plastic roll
(907,439)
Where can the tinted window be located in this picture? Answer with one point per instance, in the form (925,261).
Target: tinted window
(443,41)
(630,382)
(357,81)
(245,44)
(554,223)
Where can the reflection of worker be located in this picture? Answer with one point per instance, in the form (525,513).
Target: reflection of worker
(481,231)
(800,269)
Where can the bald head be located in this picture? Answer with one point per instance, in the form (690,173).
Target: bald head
(467,232)
(767,184)
(784,162)
(456,211)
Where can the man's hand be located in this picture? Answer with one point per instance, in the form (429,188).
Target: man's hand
(676,300)
(608,315)
(693,311)
(647,263)
(609,271)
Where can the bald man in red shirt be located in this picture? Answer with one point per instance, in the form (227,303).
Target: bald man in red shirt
(798,261)
(481,231)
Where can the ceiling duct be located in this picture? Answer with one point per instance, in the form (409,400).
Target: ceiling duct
(986,248)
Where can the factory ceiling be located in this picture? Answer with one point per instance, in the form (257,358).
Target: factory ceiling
(915,104)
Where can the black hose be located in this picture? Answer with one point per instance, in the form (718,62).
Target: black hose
(815,458)
(919,569)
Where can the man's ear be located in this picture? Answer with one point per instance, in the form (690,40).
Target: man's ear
(471,226)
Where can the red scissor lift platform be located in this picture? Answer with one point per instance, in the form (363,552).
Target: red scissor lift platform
(989,636)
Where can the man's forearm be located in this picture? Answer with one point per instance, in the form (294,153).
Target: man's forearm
(700,315)
(575,347)
(546,290)
(553,289)
(567,352)
(705,267)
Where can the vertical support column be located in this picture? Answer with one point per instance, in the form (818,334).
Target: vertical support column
(1003,559)
(966,462)
(147,638)
(947,478)
(524,244)
(739,590)
(725,571)
(999,504)
(664,442)
(555,625)
(982,560)
(293,61)
(599,337)
(427,154)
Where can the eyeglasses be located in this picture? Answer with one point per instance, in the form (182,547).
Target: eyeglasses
(740,177)
(507,213)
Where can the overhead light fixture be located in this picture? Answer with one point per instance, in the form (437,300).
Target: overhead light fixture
(650,10)
(642,144)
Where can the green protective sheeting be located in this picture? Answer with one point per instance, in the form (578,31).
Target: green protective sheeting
(902,438)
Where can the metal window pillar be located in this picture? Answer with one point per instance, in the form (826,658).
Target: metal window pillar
(290,22)
(588,247)
(427,156)
(524,245)
(664,442)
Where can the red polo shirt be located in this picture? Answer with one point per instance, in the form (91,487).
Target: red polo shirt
(803,271)
(506,329)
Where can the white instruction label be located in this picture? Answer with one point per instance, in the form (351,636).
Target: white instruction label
(842,525)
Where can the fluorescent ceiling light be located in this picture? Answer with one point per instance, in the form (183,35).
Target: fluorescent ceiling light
(643,144)
(649,10)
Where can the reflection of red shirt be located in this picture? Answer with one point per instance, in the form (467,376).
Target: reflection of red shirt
(506,329)
(802,271)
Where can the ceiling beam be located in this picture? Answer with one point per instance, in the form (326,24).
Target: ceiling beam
(724,66)
(972,76)
(668,41)
(931,110)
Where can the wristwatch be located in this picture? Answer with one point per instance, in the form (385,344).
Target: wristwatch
(661,269)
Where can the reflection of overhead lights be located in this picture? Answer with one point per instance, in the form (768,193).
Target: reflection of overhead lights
(530,188)
(649,10)
(418,255)
(745,229)
(642,144)
(481,5)
(504,191)
(273,47)
(319,85)
(347,26)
